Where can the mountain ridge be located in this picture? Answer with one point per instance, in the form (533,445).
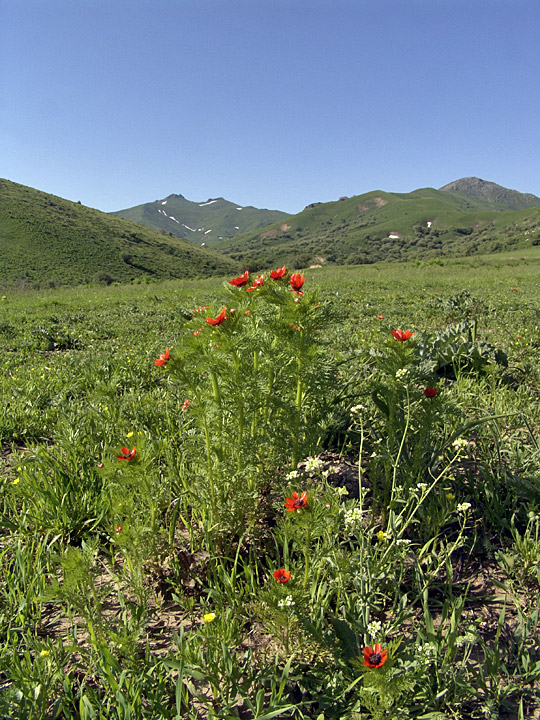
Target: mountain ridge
(204,223)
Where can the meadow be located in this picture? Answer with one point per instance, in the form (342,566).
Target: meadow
(313,495)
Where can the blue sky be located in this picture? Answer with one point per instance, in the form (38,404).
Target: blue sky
(272,103)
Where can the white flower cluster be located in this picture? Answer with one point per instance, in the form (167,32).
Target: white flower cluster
(374,628)
(402,373)
(463,507)
(352,516)
(460,444)
(314,465)
(357,409)
(286,602)
(403,541)
(421,486)
(427,653)
(293,475)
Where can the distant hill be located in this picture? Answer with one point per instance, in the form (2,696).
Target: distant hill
(46,240)
(491,194)
(420,225)
(206,222)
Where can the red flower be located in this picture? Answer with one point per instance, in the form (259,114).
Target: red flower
(430,392)
(118,529)
(295,503)
(381,317)
(282,575)
(163,359)
(127,454)
(185,405)
(376,657)
(258,282)
(241,280)
(217,320)
(297,281)
(279,273)
(401,335)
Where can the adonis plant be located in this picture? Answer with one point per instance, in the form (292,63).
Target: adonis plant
(260,384)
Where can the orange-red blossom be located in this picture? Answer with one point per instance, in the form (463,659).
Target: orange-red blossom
(163,359)
(296,502)
(282,575)
(374,657)
(127,454)
(296,281)
(402,335)
(219,319)
(241,280)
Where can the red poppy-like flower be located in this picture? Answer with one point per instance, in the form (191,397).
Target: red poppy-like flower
(430,392)
(296,502)
(163,359)
(219,319)
(380,317)
(402,335)
(374,657)
(241,280)
(282,575)
(296,281)
(118,528)
(127,454)
(259,280)
(185,405)
(279,273)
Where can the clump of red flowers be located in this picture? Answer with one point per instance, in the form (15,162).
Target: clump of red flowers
(430,392)
(219,319)
(374,657)
(296,502)
(402,335)
(282,575)
(163,359)
(185,405)
(279,273)
(127,454)
(296,281)
(241,280)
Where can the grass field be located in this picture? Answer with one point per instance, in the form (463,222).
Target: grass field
(324,503)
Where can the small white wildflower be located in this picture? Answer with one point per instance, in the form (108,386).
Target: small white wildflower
(352,516)
(357,409)
(427,652)
(463,507)
(402,373)
(314,465)
(403,541)
(293,475)
(374,628)
(421,486)
(286,602)
(460,443)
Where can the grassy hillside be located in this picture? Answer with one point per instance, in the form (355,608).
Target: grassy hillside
(207,222)
(377,226)
(46,240)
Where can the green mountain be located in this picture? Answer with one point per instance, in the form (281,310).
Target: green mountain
(376,226)
(492,195)
(206,223)
(46,240)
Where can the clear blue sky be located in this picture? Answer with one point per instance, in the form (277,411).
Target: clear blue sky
(272,103)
